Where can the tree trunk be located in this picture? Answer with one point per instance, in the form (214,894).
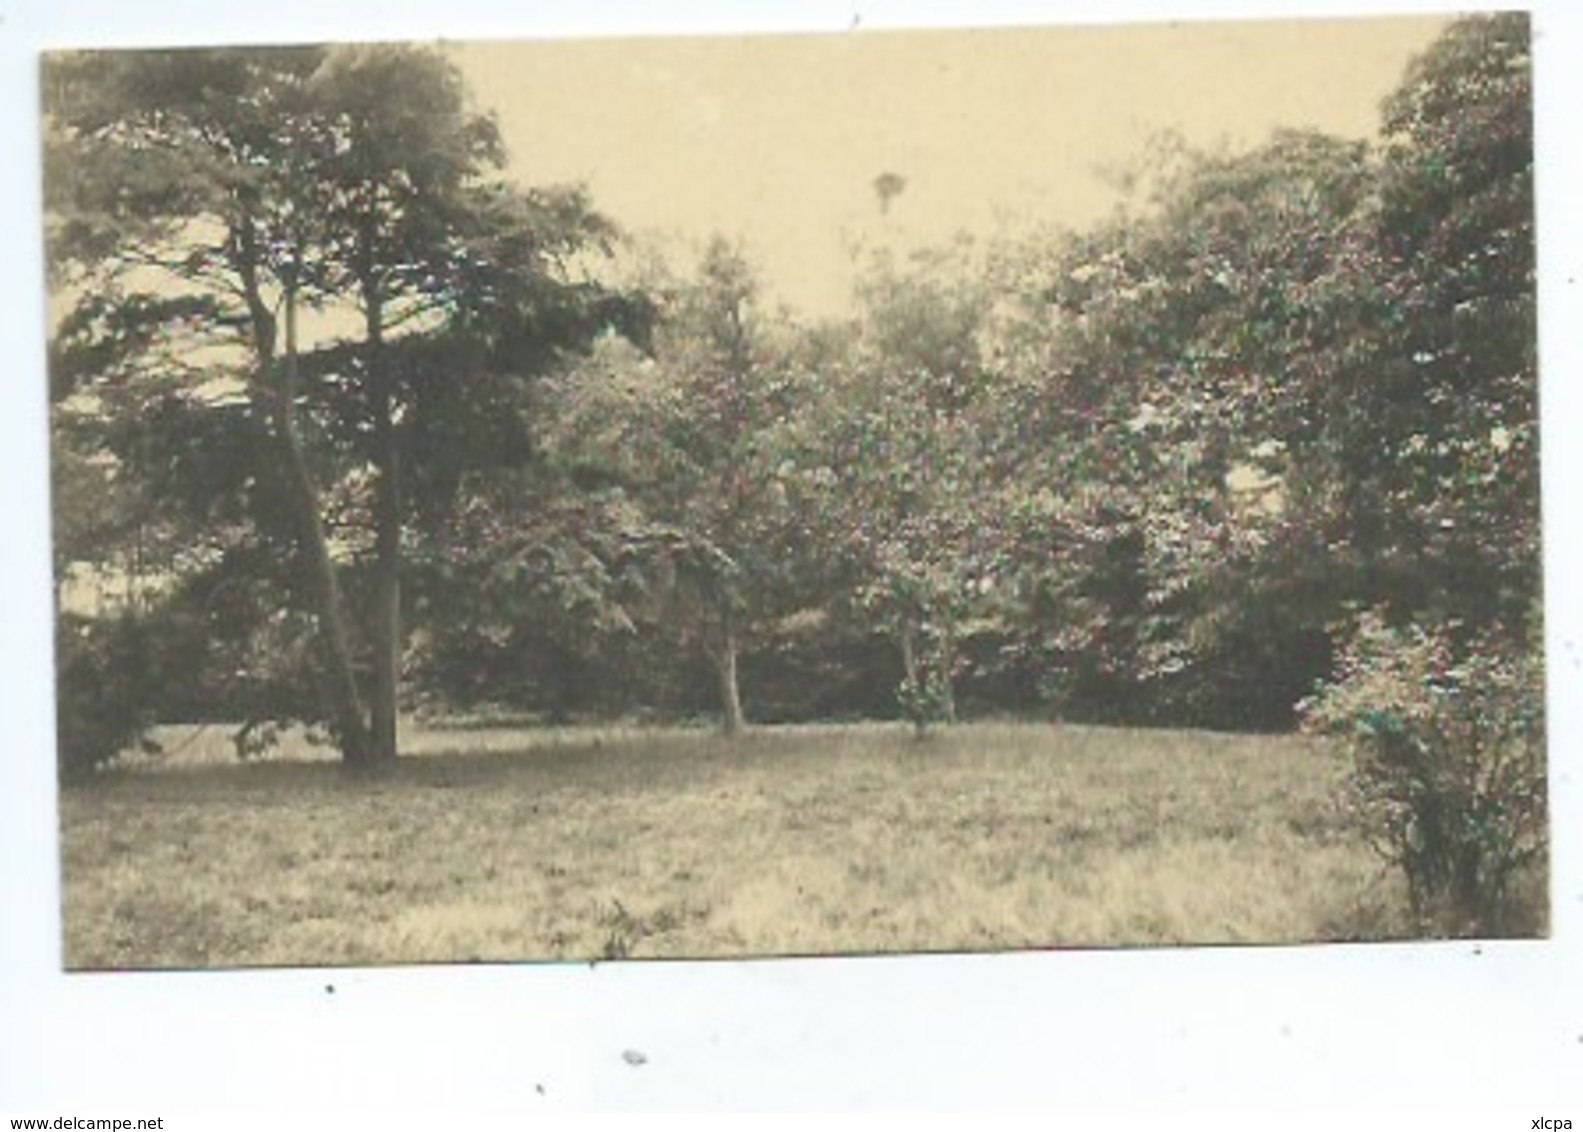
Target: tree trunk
(386,634)
(346,703)
(909,668)
(909,651)
(947,661)
(726,666)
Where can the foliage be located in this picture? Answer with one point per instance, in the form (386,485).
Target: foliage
(1129,475)
(199,200)
(1448,747)
(97,513)
(535,594)
(679,439)
(105,687)
(1146,400)
(925,698)
(889,463)
(1296,378)
(1458,227)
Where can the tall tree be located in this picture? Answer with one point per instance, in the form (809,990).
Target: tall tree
(1151,400)
(204,200)
(1304,377)
(178,180)
(1449,377)
(895,461)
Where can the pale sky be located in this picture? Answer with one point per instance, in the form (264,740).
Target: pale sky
(778,139)
(1368,1027)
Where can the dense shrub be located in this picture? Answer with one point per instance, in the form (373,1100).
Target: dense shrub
(1448,745)
(104,679)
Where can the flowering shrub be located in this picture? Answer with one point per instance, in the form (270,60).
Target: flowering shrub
(1448,772)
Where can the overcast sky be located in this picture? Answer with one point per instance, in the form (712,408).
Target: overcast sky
(779,139)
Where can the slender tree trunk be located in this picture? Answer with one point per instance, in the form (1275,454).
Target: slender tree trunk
(386,633)
(731,722)
(347,710)
(909,650)
(947,661)
(909,668)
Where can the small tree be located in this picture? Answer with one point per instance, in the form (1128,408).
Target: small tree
(686,431)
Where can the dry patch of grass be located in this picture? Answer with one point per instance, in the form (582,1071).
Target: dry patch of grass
(615,844)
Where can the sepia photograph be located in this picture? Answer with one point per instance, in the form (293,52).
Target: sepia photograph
(871,492)
(814,555)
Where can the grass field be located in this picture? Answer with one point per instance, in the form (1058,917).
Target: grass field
(492,845)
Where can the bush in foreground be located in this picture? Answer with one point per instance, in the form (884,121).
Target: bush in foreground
(1448,770)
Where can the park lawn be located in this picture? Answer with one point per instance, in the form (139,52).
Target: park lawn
(649,843)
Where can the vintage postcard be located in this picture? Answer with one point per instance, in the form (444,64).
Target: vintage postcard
(999,511)
(805,494)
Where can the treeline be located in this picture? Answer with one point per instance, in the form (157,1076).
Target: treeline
(1150,473)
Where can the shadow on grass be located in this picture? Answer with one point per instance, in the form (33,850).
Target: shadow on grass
(1384,915)
(538,763)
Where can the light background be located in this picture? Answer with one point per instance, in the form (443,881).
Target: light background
(1393,1026)
(778,139)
